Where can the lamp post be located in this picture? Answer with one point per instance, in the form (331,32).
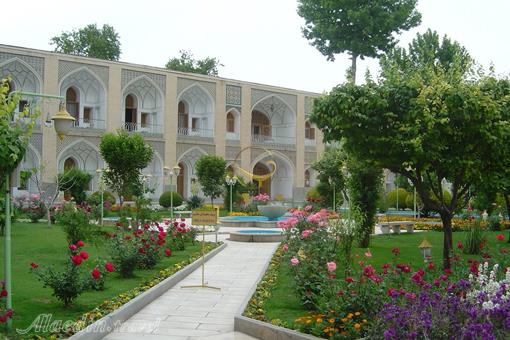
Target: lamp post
(426,249)
(172,172)
(101,189)
(231,181)
(62,124)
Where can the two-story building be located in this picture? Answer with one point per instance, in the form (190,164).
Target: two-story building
(182,115)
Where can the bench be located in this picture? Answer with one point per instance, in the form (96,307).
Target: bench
(395,226)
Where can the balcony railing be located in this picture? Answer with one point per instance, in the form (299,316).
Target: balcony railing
(232,136)
(143,128)
(206,133)
(98,124)
(310,142)
(274,141)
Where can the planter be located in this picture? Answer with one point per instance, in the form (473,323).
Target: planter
(272,212)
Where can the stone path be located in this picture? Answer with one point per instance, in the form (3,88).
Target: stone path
(198,313)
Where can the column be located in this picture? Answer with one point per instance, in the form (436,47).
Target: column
(245,131)
(299,176)
(50,139)
(220,119)
(114,110)
(170,123)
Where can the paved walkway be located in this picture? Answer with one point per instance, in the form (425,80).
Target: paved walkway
(203,313)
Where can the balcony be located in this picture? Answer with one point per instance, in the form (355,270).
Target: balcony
(232,136)
(194,132)
(310,142)
(98,124)
(146,129)
(278,142)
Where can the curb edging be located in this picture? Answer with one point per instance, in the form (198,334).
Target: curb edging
(107,324)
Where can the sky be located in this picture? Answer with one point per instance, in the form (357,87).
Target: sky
(256,40)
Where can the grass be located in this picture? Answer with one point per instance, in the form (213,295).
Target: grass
(284,303)
(47,246)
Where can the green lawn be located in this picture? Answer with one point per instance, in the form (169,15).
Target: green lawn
(43,245)
(284,303)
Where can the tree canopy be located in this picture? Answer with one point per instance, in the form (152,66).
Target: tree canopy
(210,170)
(126,156)
(429,122)
(363,28)
(89,41)
(187,63)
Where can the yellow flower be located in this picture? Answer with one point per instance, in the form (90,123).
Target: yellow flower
(319,320)
(357,326)
(365,321)
(344,320)
(357,313)
(301,254)
(350,315)
(331,320)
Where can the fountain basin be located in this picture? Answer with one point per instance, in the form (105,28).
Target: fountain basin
(272,212)
(249,222)
(257,235)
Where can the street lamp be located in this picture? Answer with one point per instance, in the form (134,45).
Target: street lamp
(426,249)
(101,189)
(231,181)
(172,172)
(63,122)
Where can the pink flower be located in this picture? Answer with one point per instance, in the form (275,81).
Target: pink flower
(369,271)
(308,208)
(285,247)
(294,261)
(315,218)
(292,221)
(368,253)
(282,224)
(331,266)
(73,247)
(306,233)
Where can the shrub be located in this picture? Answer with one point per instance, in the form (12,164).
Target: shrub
(125,256)
(494,222)
(195,202)
(164,199)
(391,198)
(95,199)
(75,181)
(474,239)
(143,212)
(32,206)
(149,244)
(75,222)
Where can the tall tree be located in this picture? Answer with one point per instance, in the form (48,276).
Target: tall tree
(89,41)
(126,156)
(427,122)
(187,63)
(363,28)
(330,172)
(211,172)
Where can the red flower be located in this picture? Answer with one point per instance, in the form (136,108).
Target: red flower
(8,313)
(80,244)
(369,271)
(500,237)
(431,265)
(395,251)
(34,265)
(72,247)
(96,274)
(448,271)
(161,242)
(3,318)
(84,255)
(503,251)
(349,279)
(3,293)
(168,252)
(392,292)
(77,260)
(109,267)
(459,245)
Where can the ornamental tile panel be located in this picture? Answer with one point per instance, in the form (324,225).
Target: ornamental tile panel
(233,94)
(289,99)
(66,67)
(37,63)
(184,83)
(128,75)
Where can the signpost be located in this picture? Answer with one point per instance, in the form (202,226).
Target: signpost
(203,218)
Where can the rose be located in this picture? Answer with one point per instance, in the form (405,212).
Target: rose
(77,259)
(294,261)
(395,251)
(109,267)
(168,252)
(285,247)
(459,245)
(3,293)
(72,247)
(96,274)
(500,237)
(34,265)
(331,266)
(80,244)
(306,233)
(349,279)
(84,255)
(368,253)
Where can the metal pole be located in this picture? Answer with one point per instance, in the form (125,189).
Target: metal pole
(102,205)
(397,191)
(231,198)
(415,214)
(7,248)
(171,198)
(334,198)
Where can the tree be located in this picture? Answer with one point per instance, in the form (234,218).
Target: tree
(363,28)
(186,63)
(126,156)
(89,41)
(211,175)
(330,168)
(75,181)
(364,184)
(424,121)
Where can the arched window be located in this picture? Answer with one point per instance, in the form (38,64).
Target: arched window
(309,131)
(260,124)
(307,178)
(130,112)
(73,103)
(182,110)
(231,122)
(69,164)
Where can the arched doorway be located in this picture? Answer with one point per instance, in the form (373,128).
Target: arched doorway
(180,180)
(69,164)
(265,187)
(130,113)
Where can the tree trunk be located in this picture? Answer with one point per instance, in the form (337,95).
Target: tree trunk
(48,216)
(354,57)
(446,218)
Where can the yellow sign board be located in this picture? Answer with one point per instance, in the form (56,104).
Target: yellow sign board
(204,217)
